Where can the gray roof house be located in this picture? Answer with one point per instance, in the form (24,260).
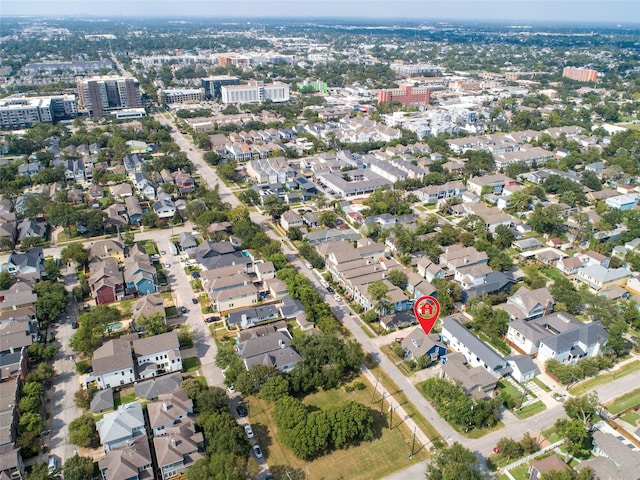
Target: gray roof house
(475,381)
(598,277)
(574,345)
(523,368)
(29,262)
(31,228)
(248,317)
(131,461)
(170,409)
(102,400)
(476,352)
(273,349)
(525,335)
(187,242)
(117,427)
(112,364)
(178,449)
(613,458)
(156,386)
(418,344)
(528,304)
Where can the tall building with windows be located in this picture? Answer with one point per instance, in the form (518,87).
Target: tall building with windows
(580,74)
(405,95)
(212,85)
(100,95)
(255,92)
(182,95)
(18,111)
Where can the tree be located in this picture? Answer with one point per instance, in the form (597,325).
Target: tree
(575,432)
(153,325)
(584,408)
(30,422)
(378,291)
(546,219)
(224,434)
(454,463)
(6,280)
(192,386)
(350,422)
(30,404)
(503,236)
(398,278)
(275,388)
(149,218)
(82,431)
(75,252)
(61,214)
(211,400)
(51,269)
(39,471)
(569,474)
(78,468)
(53,299)
(252,381)
(92,327)
(509,448)
(328,218)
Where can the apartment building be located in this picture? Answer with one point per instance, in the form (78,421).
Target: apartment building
(18,111)
(100,95)
(182,95)
(254,92)
(580,74)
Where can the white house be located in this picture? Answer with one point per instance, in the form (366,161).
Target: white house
(112,365)
(574,345)
(169,410)
(157,355)
(116,428)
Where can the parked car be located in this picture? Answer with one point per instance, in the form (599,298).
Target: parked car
(74,324)
(195,274)
(210,319)
(183,309)
(53,464)
(241,411)
(257,452)
(330,290)
(249,431)
(337,298)
(194,301)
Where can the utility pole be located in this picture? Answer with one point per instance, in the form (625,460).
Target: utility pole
(413,443)
(375,388)
(382,401)
(390,416)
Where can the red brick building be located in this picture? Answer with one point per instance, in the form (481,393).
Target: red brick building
(405,95)
(580,74)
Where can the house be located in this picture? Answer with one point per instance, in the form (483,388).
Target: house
(248,317)
(598,277)
(121,190)
(430,270)
(134,209)
(116,428)
(116,216)
(170,409)
(106,281)
(153,387)
(489,184)
(529,304)
(164,207)
(523,368)
(290,308)
(107,248)
(239,296)
(18,295)
(548,464)
(614,459)
(147,306)
(18,329)
(265,271)
(133,163)
(184,182)
(418,344)
(623,202)
(290,219)
(475,381)
(569,265)
(187,242)
(8,228)
(573,345)
(157,355)
(130,461)
(178,450)
(140,276)
(477,353)
(31,229)
(277,288)
(112,365)
(272,349)
(527,244)
(102,400)
(30,262)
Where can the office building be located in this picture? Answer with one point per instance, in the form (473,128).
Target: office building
(212,85)
(100,95)
(182,95)
(255,92)
(18,111)
(405,95)
(580,74)
(413,69)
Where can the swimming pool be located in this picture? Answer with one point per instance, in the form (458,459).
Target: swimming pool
(113,326)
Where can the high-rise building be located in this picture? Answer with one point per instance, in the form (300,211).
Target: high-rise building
(255,92)
(21,112)
(212,85)
(100,95)
(580,74)
(405,95)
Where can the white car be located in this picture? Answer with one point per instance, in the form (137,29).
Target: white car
(337,298)
(232,389)
(249,431)
(257,452)
(167,265)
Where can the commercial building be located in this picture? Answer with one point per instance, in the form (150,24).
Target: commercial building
(413,69)
(405,95)
(255,92)
(212,85)
(18,111)
(182,95)
(99,95)
(580,74)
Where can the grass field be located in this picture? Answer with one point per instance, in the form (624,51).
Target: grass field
(541,384)
(190,364)
(127,395)
(624,402)
(605,378)
(395,359)
(531,410)
(376,459)
(631,418)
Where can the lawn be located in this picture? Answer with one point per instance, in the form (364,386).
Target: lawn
(552,273)
(398,362)
(624,402)
(631,418)
(125,307)
(127,395)
(531,410)
(605,378)
(150,247)
(387,453)
(521,472)
(190,364)
(541,384)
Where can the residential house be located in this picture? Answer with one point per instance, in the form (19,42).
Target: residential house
(115,216)
(121,190)
(170,409)
(30,263)
(613,458)
(147,306)
(144,186)
(248,317)
(178,450)
(184,182)
(106,281)
(475,381)
(107,248)
(152,388)
(272,349)
(265,271)
(546,465)
(456,256)
(112,365)
(573,345)
(140,276)
(126,423)
(235,297)
(133,164)
(187,242)
(102,400)
(418,344)
(18,295)
(527,244)
(75,196)
(8,228)
(430,270)
(623,202)
(31,229)
(164,207)
(130,461)
(290,219)
(489,184)
(528,304)
(599,278)
(134,209)
(18,329)
(569,265)
(277,288)
(157,355)
(477,353)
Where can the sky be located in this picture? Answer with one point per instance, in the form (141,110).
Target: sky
(580,11)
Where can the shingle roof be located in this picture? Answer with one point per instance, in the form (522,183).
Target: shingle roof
(121,423)
(156,343)
(113,355)
(152,388)
(473,343)
(588,334)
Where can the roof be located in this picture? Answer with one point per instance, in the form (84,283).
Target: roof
(253,314)
(113,355)
(152,388)
(148,305)
(550,464)
(602,274)
(156,344)
(260,345)
(102,400)
(588,334)
(168,408)
(128,461)
(121,423)
(277,358)
(473,343)
(615,460)
(471,379)
(524,363)
(419,343)
(543,327)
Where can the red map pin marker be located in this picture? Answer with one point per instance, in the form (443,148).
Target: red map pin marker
(427,310)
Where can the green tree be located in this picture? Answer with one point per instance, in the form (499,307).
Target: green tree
(378,291)
(252,381)
(6,280)
(149,218)
(575,432)
(328,218)
(39,471)
(584,408)
(509,448)
(153,325)
(224,434)
(398,278)
(211,400)
(30,422)
(78,468)
(89,335)
(75,252)
(350,422)
(569,474)
(51,269)
(30,404)
(192,386)
(275,388)
(454,463)
(53,299)
(82,431)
